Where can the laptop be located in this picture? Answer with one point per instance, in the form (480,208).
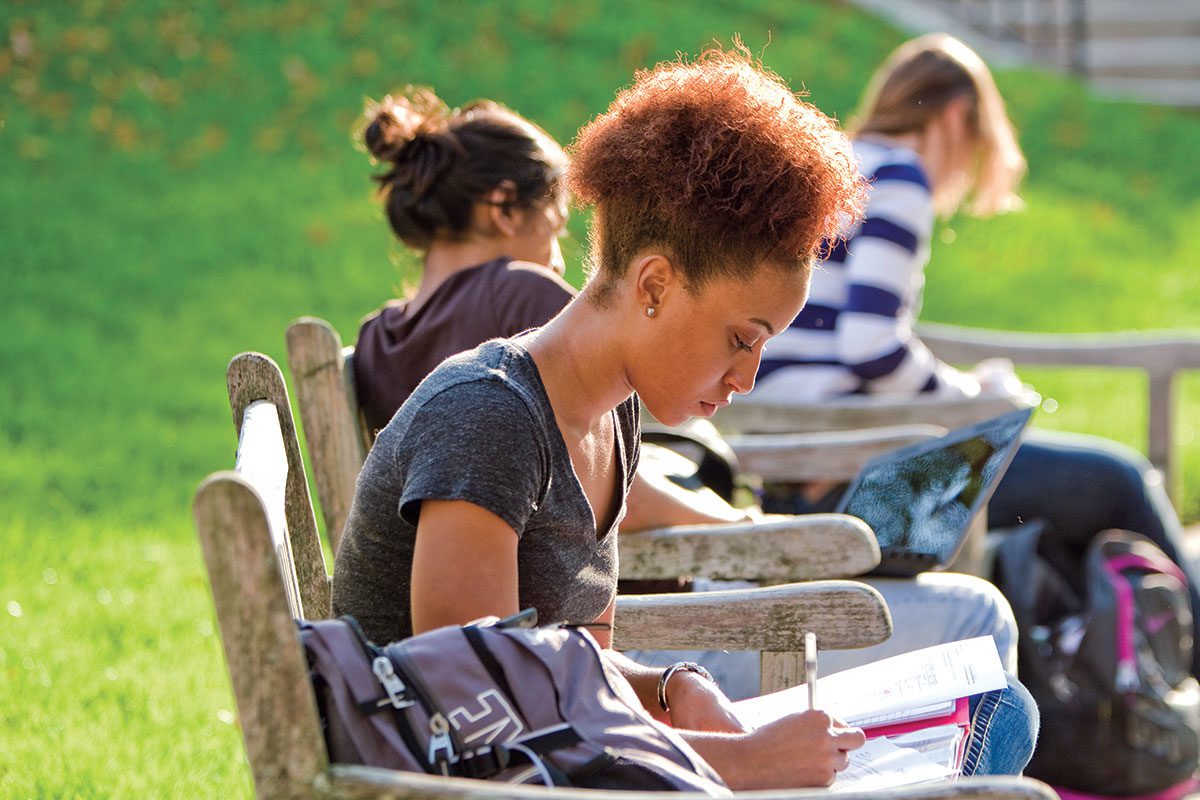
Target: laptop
(920,499)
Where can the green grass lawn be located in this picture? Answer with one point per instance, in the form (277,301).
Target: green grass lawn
(178,183)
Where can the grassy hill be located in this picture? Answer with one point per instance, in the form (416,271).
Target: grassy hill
(178,183)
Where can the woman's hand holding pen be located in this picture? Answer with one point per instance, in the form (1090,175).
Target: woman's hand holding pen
(817,744)
(805,749)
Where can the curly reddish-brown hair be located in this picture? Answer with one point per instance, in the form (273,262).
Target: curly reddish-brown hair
(717,162)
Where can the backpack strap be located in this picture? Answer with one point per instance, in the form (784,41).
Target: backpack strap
(530,749)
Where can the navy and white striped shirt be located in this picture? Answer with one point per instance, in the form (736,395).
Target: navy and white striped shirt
(855,333)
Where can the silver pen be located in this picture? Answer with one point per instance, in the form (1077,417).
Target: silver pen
(810,668)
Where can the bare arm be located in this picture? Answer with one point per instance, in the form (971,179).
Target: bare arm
(655,501)
(464,565)
(798,750)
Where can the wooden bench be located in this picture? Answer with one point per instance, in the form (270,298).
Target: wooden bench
(258,537)
(850,614)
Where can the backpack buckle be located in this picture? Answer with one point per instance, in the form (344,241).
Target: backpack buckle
(395,688)
(485,762)
(441,748)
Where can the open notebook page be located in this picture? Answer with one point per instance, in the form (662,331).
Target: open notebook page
(910,682)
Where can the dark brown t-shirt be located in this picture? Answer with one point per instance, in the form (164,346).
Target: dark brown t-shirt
(396,350)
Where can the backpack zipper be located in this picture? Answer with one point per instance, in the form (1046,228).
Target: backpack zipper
(393,684)
(443,744)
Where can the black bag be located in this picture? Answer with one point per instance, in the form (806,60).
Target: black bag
(497,700)
(1106,652)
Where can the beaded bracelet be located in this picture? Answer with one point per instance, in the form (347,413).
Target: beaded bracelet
(685,666)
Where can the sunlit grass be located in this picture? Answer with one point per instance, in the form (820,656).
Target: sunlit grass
(178,183)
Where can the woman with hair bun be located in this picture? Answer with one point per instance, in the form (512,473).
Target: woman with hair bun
(501,481)
(479,192)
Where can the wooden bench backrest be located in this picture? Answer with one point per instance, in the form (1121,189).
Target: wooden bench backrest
(337,440)
(1161,355)
(746,415)
(261,566)
(253,377)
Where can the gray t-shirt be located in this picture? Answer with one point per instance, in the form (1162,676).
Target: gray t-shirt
(480,428)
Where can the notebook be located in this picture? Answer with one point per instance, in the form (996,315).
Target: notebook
(920,499)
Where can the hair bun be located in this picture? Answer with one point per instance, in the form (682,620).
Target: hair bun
(395,122)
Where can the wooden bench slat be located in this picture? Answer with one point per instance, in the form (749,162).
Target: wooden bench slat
(324,385)
(781,549)
(746,415)
(251,377)
(822,455)
(266,667)
(843,614)
(366,783)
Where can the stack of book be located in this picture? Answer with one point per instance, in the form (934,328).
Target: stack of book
(913,708)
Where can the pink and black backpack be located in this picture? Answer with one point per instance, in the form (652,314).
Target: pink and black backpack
(1106,650)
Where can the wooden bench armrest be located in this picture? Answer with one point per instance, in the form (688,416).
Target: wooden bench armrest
(784,548)
(369,783)
(843,614)
(746,415)
(822,455)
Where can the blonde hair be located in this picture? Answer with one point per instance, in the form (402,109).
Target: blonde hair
(918,80)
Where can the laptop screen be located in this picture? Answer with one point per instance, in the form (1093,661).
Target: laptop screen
(920,499)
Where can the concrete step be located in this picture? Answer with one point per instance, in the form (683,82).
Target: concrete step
(1135,11)
(1154,90)
(1178,72)
(1130,30)
(1150,51)
(1147,50)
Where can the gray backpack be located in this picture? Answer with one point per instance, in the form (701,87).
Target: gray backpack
(495,699)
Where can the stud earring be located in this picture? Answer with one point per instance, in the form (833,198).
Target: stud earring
(649,311)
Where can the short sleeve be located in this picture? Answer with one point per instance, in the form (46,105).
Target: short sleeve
(477,442)
(528,296)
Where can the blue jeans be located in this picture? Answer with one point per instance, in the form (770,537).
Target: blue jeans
(1004,729)
(1082,485)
